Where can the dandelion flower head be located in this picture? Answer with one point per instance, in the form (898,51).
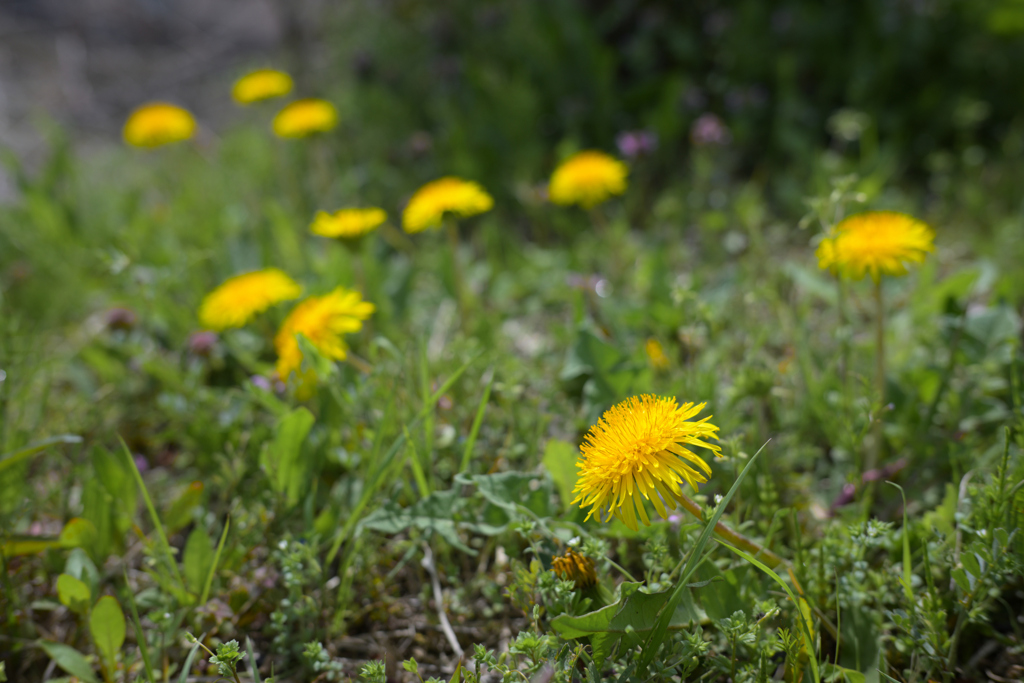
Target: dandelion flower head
(347,223)
(305,117)
(575,567)
(454,195)
(640,449)
(587,179)
(158,123)
(238,299)
(876,243)
(323,320)
(262,84)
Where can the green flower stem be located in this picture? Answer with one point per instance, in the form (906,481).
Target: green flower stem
(770,559)
(874,455)
(738,539)
(452,228)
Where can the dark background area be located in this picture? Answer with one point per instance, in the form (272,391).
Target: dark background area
(512,80)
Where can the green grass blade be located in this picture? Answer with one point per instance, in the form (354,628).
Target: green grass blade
(139,635)
(155,518)
(907,566)
(467,453)
(216,560)
(375,479)
(428,412)
(11,459)
(183,678)
(805,628)
(650,647)
(417,466)
(252,661)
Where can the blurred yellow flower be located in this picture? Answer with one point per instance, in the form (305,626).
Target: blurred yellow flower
(656,354)
(262,84)
(587,178)
(158,123)
(876,243)
(638,449)
(575,567)
(431,202)
(347,223)
(305,117)
(322,320)
(238,299)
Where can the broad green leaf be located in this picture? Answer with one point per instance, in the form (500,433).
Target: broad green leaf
(282,458)
(81,566)
(720,598)
(197,558)
(838,673)
(107,626)
(179,514)
(560,461)
(632,616)
(434,513)
(862,635)
(116,478)
(510,490)
(76,533)
(962,580)
(598,371)
(69,659)
(98,508)
(73,594)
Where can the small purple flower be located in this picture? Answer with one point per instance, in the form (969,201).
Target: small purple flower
(260,382)
(845,497)
(201,343)
(141,463)
(636,143)
(709,130)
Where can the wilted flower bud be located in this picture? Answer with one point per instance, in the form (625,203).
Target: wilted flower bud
(202,343)
(121,319)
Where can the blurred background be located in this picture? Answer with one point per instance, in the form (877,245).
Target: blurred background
(495,90)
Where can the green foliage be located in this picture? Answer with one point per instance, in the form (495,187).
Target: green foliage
(108,629)
(455,429)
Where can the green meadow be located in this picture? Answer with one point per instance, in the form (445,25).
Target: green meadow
(402,503)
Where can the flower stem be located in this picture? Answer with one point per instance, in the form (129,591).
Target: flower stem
(770,559)
(874,455)
(453,245)
(737,539)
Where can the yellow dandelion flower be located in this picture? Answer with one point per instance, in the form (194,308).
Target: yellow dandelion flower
(876,243)
(262,84)
(322,320)
(587,178)
(158,123)
(638,449)
(575,567)
(431,202)
(347,223)
(239,298)
(656,354)
(305,117)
